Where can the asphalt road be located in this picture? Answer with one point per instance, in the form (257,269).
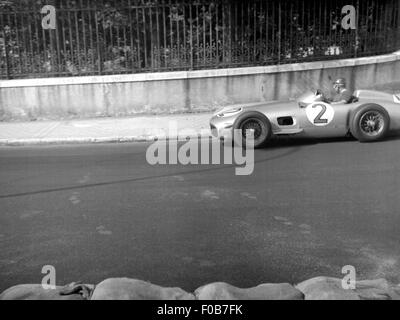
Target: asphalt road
(99,211)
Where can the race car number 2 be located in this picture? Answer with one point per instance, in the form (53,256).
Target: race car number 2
(320,114)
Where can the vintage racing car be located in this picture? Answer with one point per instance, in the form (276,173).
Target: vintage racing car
(369,117)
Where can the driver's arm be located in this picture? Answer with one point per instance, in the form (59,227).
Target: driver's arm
(323,98)
(345,97)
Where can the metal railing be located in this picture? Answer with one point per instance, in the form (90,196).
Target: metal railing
(95,37)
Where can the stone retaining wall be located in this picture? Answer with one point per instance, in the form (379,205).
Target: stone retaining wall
(183,92)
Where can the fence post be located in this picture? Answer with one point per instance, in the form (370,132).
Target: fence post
(7,62)
(356,31)
(279,32)
(2,25)
(191,35)
(398,25)
(99,55)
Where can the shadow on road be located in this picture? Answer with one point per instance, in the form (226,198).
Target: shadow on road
(293,144)
(292,150)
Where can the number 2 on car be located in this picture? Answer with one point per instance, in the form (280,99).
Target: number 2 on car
(320,114)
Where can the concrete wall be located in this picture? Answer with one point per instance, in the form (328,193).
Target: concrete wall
(177,92)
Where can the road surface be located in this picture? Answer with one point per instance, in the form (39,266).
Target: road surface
(99,211)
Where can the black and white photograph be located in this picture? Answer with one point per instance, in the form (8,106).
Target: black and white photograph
(199,150)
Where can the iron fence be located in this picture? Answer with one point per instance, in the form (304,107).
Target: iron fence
(133,36)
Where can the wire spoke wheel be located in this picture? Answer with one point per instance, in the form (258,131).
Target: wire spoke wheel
(253,125)
(372,123)
(369,123)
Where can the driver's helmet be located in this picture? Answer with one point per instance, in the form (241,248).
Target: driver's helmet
(339,83)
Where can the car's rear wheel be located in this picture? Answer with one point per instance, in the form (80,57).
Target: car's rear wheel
(370,123)
(255,122)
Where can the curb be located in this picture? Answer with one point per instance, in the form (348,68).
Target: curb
(91,140)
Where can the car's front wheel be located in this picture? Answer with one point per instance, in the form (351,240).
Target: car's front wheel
(370,123)
(254,122)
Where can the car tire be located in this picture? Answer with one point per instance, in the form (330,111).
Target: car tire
(369,123)
(256,121)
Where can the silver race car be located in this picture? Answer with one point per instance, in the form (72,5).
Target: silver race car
(370,116)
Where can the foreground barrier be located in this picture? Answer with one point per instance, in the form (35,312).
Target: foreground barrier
(320,288)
